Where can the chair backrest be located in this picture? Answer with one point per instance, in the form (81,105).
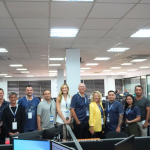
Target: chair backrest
(114,134)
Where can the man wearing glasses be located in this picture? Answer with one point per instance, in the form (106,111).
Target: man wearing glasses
(80,112)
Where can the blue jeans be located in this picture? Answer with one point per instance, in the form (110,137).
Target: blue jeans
(28,130)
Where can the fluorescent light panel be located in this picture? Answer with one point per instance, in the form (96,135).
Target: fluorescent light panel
(52,75)
(54,64)
(3,74)
(75,0)
(8,76)
(53,71)
(132,69)
(56,58)
(145,67)
(106,70)
(30,76)
(115,67)
(63,32)
(85,68)
(118,49)
(82,70)
(91,64)
(25,72)
(122,72)
(3,50)
(16,65)
(142,33)
(126,64)
(138,60)
(102,58)
(22,69)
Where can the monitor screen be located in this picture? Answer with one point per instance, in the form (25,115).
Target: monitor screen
(31,145)
(127,144)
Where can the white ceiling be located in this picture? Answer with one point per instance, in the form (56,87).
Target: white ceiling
(25,32)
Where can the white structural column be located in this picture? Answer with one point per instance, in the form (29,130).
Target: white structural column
(3,85)
(60,79)
(73,70)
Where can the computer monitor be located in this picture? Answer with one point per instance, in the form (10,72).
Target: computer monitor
(58,146)
(127,144)
(19,144)
(53,132)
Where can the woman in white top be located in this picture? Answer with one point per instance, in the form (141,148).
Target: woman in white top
(63,102)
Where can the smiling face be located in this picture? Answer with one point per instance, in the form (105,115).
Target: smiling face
(96,97)
(138,91)
(82,88)
(129,100)
(64,89)
(47,95)
(111,96)
(13,99)
(29,91)
(1,94)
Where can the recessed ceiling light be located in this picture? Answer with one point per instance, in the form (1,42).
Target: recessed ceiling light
(54,64)
(82,70)
(142,33)
(85,68)
(3,74)
(16,65)
(22,69)
(115,67)
(102,58)
(3,50)
(63,32)
(145,67)
(91,64)
(106,70)
(30,76)
(132,69)
(8,76)
(56,58)
(25,72)
(118,49)
(122,72)
(138,60)
(126,64)
(53,71)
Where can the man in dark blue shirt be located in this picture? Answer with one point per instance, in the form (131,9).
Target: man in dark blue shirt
(114,113)
(80,112)
(30,103)
(126,92)
(3,105)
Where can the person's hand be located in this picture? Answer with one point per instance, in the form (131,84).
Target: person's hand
(16,133)
(78,122)
(127,121)
(11,133)
(145,125)
(92,130)
(39,128)
(69,120)
(1,123)
(66,122)
(118,129)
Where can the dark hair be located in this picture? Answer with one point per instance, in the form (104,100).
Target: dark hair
(111,91)
(133,104)
(46,90)
(116,91)
(139,86)
(1,90)
(28,86)
(12,93)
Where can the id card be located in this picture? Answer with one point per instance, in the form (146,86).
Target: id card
(67,115)
(143,121)
(127,125)
(87,113)
(102,121)
(51,119)
(29,115)
(14,125)
(108,120)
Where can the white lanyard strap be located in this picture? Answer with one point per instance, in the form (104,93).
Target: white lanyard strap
(12,111)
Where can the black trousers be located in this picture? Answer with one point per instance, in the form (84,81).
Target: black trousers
(81,130)
(2,136)
(97,135)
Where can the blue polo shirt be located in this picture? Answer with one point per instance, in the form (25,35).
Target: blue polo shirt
(80,106)
(126,93)
(132,113)
(115,111)
(30,124)
(2,107)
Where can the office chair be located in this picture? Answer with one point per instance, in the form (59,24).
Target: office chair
(114,134)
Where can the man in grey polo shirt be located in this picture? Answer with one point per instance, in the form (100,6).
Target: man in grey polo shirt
(46,112)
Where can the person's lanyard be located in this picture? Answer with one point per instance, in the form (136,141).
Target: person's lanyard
(127,111)
(29,102)
(100,108)
(84,98)
(109,108)
(49,105)
(13,112)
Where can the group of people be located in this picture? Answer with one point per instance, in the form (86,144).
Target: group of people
(87,118)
